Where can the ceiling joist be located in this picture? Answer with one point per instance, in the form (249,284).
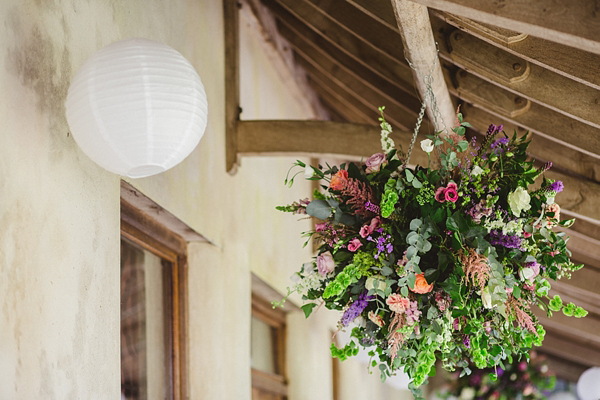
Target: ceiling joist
(573,24)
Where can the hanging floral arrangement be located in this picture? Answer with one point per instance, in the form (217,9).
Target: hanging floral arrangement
(442,262)
(519,380)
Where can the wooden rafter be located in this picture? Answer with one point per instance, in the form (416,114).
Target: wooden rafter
(570,62)
(328,29)
(421,51)
(544,87)
(347,70)
(574,24)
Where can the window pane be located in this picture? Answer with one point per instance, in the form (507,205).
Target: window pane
(144,327)
(262,346)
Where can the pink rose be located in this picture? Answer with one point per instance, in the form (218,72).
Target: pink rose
(451,185)
(325,263)
(450,194)
(366,230)
(321,226)
(440,195)
(397,303)
(375,223)
(375,162)
(354,244)
(526,235)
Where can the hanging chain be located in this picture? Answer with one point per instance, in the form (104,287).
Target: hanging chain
(429,95)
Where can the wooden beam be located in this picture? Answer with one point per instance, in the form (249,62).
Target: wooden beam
(542,146)
(232,82)
(420,48)
(539,119)
(575,24)
(355,47)
(317,139)
(544,87)
(567,61)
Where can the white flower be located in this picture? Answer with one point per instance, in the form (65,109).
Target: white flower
(308,172)
(519,201)
(476,170)
(427,145)
(526,274)
(467,393)
(370,283)
(486,297)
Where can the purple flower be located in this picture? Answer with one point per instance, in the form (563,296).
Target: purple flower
(557,186)
(356,308)
(508,241)
(374,208)
(467,341)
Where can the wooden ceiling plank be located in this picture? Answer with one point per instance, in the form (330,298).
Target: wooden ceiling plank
(583,330)
(362,76)
(382,10)
(567,61)
(505,68)
(544,87)
(574,24)
(355,21)
(315,139)
(489,96)
(386,77)
(361,96)
(541,147)
(421,51)
(538,119)
(563,369)
(356,48)
(349,109)
(570,350)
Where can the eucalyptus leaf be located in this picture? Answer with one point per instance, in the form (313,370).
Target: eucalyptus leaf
(319,209)
(409,175)
(411,280)
(417,183)
(415,224)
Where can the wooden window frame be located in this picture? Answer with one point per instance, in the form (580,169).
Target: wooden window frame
(275,383)
(142,230)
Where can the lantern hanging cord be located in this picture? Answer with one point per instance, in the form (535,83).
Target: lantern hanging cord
(429,95)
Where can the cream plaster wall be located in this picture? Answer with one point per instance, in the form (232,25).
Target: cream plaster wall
(59,212)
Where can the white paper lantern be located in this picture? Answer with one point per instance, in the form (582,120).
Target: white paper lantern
(588,385)
(137,107)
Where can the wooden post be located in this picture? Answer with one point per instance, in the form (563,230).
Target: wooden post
(232,82)
(421,52)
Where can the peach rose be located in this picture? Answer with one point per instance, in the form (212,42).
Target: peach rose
(553,208)
(339,180)
(397,303)
(421,285)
